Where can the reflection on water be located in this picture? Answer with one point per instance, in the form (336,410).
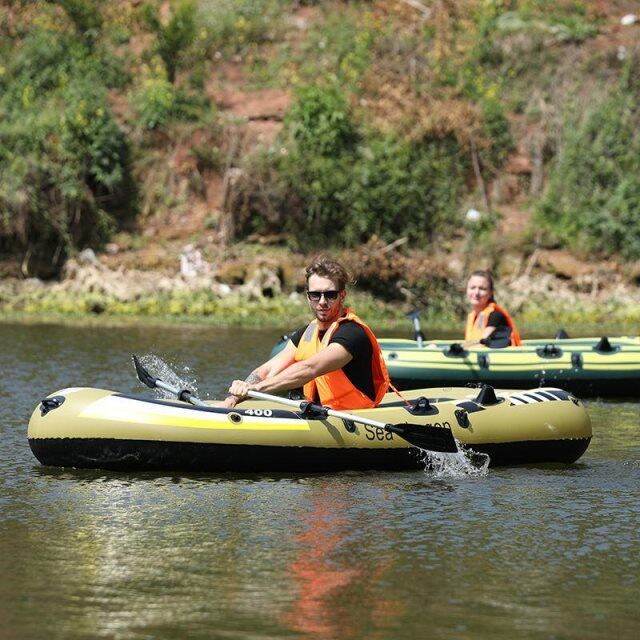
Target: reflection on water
(323,585)
(537,552)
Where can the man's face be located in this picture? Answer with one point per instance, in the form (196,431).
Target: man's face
(324,298)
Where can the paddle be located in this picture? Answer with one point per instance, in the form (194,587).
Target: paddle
(419,435)
(183,394)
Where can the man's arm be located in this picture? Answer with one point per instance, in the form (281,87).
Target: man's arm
(276,364)
(333,357)
(270,368)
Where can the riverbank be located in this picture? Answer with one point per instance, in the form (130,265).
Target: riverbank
(263,287)
(542,305)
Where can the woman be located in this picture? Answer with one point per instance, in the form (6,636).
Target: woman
(488,323)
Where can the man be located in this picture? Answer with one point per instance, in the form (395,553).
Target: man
(336,358)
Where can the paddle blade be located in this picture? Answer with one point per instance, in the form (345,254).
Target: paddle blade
(438,439)
(143,375)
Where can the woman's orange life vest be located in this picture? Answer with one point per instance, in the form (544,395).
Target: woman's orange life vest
(476,324)
(334,389)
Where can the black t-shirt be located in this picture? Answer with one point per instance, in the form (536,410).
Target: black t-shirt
(501,337)
(497,319)
(354,339)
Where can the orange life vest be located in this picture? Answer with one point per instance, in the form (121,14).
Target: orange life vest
(476,324)
(334,389)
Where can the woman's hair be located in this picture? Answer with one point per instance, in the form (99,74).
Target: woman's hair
(326,267)
(487,276)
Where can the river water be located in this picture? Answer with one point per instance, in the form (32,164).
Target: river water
(539,552)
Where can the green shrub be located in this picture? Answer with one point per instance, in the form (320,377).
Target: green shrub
(234,26)
(495,129)
(64,165)
(341,46)
(320,121)
(208,157)
(400,188)
(91,139)
(339,185)
(318,200)
(64,176)
(174,38)
(85,16)
(155,103)
(42,62)
(593,199)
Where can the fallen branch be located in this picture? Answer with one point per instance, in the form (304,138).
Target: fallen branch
(425,11)
(533,259)
(396,243)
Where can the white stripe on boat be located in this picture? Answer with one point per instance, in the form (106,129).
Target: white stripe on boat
(118,409)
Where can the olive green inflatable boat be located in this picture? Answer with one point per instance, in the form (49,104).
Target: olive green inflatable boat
(95,428)
(586,367)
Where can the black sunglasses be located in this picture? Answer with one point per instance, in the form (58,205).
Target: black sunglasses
(315,296)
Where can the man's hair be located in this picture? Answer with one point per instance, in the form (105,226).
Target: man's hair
(487,276)
(326,267)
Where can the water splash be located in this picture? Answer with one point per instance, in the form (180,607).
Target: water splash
(176,375)
(464,462)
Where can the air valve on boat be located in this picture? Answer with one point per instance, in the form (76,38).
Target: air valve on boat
(49,404)
(456,350)
(604,346)
(487,396)
(549,351)
(422,407)
(463,418)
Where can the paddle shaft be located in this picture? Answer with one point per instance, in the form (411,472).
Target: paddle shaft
(299,404)
(183,394)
